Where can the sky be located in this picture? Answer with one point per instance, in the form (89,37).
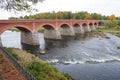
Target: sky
(104,7)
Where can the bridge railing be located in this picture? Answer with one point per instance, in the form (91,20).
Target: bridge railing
(21,69)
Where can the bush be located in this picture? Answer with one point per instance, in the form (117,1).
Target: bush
(117,27)
(111,24)
(44,71)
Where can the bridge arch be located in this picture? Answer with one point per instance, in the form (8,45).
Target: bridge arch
(66,30)
(65,25)
(78,28)
(45,26)
(20,27)
(50,32)
(76,25)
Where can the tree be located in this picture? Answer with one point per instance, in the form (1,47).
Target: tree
(88,16)
(18,5)
(112,17)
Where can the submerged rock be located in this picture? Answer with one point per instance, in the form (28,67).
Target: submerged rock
(118,47)
(107,37)
(42,51)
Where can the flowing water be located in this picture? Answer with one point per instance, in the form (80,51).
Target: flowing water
(84,57)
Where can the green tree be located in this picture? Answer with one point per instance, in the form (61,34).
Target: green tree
(18,5)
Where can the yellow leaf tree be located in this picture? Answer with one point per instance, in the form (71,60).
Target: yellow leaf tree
(112,17)
(88,16)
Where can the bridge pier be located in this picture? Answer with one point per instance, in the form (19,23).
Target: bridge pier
(92,28)
(52,33)
(86,28)
(78,30)
(67,31)
(30,38)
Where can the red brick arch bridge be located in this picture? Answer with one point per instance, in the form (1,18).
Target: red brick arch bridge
(53,29)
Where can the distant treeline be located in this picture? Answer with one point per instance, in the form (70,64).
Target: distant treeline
(67,15)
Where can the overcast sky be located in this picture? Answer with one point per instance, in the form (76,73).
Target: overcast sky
(104,7)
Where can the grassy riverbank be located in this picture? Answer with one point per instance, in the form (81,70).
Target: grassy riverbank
(113,30)
(41,70)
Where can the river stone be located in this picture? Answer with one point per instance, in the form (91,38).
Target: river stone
(118,47)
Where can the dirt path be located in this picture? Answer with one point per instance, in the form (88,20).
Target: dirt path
(8,70)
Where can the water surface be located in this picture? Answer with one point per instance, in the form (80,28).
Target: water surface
(84,57)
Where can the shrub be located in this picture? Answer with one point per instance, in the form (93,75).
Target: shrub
(44,71)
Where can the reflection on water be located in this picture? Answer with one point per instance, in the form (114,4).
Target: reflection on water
(85,57)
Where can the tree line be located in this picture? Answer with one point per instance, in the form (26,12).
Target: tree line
(83,15)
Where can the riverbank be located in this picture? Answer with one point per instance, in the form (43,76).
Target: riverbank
(40,69)
(113,30)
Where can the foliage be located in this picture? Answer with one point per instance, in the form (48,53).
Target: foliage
(44,71)
(109,24)
(112,17)
(18,5)
(65,15)
(41,29)
(88,16)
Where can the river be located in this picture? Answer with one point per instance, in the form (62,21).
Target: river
(84,57)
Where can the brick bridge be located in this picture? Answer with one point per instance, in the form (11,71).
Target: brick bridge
(53,29)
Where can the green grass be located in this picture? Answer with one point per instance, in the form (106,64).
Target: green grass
(42,70)
(113,30)
(11,52)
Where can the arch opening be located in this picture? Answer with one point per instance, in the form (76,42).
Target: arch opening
(50,32)
(64,26)
(90,24)
(76,25)
(16,36)
(48,27)
(66,30)
(78,29)
(84,24)
(22,29)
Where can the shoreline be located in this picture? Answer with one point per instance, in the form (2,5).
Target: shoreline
(35,65)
